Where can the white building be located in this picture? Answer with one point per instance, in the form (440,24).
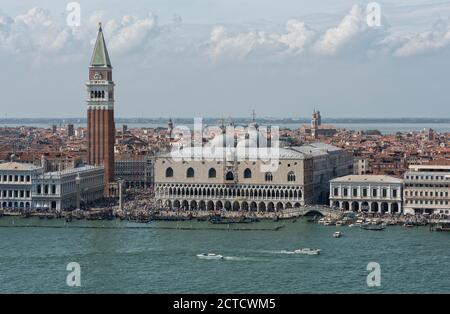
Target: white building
(16,183)
(374,193)
(427,189)
(62,190)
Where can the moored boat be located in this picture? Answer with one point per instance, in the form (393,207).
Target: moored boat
(337,234)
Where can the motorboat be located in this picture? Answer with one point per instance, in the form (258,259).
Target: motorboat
(337,234)
(308,251)
(211,256)
(373,227)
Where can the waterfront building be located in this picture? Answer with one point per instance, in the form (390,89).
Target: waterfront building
(67,189)
(369,193)
(427,188)
(135,171)
(100,111)
(16,184)
(234,183)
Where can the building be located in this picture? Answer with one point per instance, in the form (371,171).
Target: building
(361,166)
(70,130)
(316,129)
(100,111)
(135,171)
(16,184)
(369,193)
(329,162)
(232,182)
(427,188)
(68,189)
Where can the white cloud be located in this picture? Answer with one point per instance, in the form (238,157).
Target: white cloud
(298,37)
(131,33)
(436,38)
(237,47)
(353,24)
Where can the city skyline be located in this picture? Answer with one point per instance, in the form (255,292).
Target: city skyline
(181,65)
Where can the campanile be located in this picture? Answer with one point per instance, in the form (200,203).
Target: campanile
(100,110)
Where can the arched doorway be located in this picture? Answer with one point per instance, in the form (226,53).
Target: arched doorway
(253,207)
(374,207)
(185,205)
(364,206)
(210,205)
(279,206)
(270,207)
(236,206)
(219,205)
(245,206)
(345,205)
(355,206)
(262,207)
(384,207)
(395,208)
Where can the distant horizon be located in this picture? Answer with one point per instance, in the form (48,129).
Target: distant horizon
(243,118)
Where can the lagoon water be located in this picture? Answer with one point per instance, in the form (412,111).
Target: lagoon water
(123,257)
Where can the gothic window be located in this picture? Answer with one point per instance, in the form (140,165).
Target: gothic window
(229,176)
(169,172)
(247,173)
(268,176)
(190,173)
(291,176)
(212,173)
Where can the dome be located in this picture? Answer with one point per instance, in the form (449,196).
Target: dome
(222,140)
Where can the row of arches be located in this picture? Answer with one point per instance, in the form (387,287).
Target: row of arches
(232,192)
(97,94)
(212,173)
(375,207)
(16,205)
(210,205)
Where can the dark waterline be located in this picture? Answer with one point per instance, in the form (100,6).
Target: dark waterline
(150,259)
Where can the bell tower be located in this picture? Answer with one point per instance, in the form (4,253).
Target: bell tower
(100,110)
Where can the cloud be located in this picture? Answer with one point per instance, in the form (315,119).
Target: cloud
(237,47)
(299,36)
(436,38)
(131,33)
(352,25)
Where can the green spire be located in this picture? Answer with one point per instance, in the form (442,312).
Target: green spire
(100,58)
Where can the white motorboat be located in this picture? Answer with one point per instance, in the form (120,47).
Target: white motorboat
(337,234)
(210,256)
(308,251)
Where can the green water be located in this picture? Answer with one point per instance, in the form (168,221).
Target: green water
(123,257)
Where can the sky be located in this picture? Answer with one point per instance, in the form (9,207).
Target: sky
(224,58)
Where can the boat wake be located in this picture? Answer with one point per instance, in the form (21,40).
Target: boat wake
(236,258)
(279,252)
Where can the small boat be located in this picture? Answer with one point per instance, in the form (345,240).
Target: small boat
(373,227)
(308,251)
(211,256)
(337,234)
(408,224)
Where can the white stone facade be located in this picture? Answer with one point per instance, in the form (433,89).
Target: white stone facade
(369,193)
(427,189)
